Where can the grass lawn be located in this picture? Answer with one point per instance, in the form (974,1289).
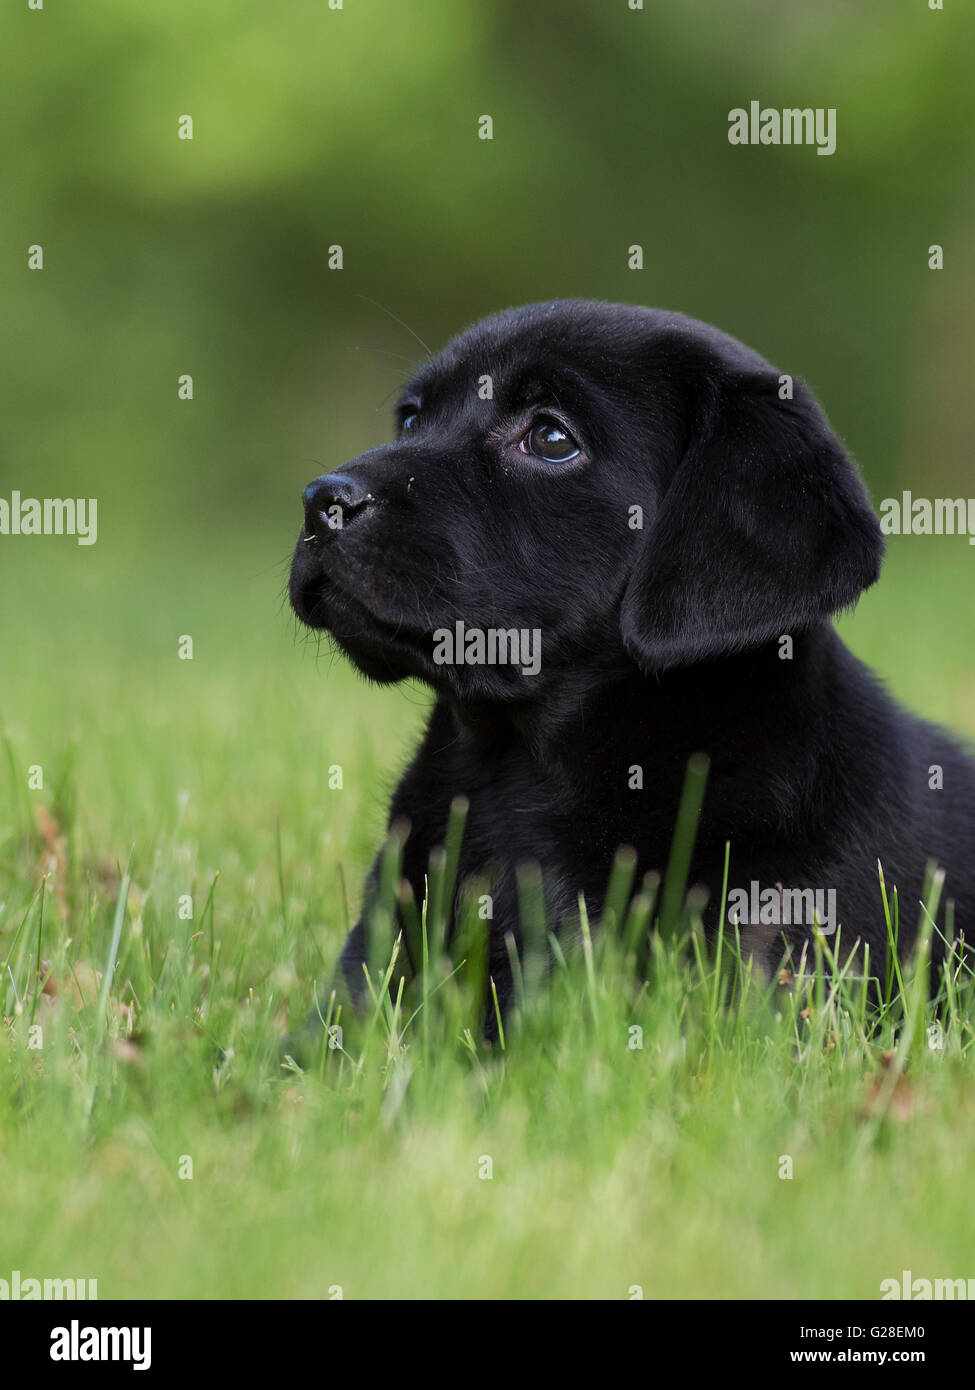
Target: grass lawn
(412,1162)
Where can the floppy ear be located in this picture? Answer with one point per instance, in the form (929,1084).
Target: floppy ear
(765,528)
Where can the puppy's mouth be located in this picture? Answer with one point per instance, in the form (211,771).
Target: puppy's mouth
(339,598)
(327,573)
(346,598)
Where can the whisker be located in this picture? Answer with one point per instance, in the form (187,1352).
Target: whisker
(428,350)
(410,361)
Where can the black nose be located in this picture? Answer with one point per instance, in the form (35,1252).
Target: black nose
(331,501)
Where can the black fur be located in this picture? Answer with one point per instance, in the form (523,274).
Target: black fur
(655,642)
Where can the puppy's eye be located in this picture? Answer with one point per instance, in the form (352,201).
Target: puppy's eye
(549,440)
(408,421)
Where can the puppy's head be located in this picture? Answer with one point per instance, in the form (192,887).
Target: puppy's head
(612,484)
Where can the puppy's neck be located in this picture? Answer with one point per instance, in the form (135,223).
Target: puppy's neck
(707,706)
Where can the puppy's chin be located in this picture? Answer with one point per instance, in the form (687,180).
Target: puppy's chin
(387,647)
(385,653)
(378,650)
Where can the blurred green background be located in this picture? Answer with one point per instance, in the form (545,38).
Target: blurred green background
(314,127)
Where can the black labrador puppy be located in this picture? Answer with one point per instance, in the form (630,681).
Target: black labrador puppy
(609,537)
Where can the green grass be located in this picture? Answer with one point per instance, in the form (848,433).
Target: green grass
(612,1165)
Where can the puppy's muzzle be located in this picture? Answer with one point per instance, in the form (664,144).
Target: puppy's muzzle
(332,501)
